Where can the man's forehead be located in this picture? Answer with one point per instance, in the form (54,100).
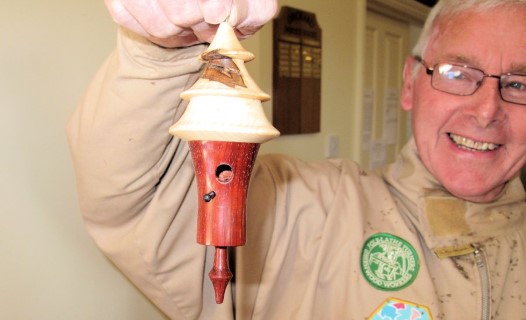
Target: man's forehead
(473,37)
(473,61)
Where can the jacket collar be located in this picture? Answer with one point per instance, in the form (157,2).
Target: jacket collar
(446,223)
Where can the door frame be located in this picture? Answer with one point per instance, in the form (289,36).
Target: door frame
(405,10)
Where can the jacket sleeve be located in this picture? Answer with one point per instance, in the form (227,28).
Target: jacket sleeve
(135,181)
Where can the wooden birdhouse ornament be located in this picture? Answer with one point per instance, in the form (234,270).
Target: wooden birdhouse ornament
(224,124)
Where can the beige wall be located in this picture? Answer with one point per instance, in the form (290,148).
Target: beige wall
(49,267)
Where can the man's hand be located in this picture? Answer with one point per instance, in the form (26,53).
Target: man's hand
(179,23)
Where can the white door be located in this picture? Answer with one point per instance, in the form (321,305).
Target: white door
(385,125)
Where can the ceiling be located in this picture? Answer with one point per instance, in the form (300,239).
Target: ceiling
(429,3)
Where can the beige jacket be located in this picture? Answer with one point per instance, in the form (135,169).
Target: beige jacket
(326,240)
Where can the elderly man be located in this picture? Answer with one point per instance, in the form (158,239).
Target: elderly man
(438,234)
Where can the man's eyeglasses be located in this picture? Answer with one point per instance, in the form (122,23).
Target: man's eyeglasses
(462,80)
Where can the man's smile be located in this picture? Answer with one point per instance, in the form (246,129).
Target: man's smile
(472,145)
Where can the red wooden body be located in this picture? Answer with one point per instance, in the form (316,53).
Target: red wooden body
(223,172)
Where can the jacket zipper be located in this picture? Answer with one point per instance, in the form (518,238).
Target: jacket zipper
(480,259)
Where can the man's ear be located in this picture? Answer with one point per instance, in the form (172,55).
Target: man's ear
(406,97)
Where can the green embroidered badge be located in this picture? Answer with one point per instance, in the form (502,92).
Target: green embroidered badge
(388,262)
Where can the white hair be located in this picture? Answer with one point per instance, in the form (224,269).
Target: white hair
(453,7)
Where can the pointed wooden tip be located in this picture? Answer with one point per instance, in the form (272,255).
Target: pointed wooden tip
(226,43)
(220,273)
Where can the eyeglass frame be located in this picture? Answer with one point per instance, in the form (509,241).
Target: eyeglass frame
(431,72)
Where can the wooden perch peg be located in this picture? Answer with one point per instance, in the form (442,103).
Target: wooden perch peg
(225,124)
(220,274)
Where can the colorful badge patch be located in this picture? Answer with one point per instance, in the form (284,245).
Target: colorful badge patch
(389,262)
(394,309)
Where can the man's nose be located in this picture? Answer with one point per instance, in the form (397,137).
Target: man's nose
(486,108)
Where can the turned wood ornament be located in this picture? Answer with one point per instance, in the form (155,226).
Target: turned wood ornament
(225,124)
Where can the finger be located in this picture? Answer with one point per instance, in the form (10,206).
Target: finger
(205,31)
(256,13)
(248,16)
(122,17)
(215,11)
(183,13)
(124,13)
(246,32)
(151,17)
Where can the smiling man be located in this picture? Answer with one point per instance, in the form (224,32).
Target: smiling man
(476,140)
(439,234)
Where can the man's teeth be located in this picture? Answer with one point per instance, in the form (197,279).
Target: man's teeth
(469,144)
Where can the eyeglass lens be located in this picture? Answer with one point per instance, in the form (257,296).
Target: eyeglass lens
(464,81)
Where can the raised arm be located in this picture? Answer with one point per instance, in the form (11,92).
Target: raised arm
(124,158)
(135,181)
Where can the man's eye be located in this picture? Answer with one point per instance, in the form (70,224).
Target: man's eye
(516,85)
(449,72)
(454,75)
(460,76)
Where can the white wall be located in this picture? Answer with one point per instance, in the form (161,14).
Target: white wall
(49,50)
(49,267)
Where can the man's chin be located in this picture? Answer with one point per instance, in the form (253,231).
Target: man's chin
(480,195)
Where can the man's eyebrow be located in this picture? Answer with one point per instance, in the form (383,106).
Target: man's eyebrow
(518,68)
(457,59)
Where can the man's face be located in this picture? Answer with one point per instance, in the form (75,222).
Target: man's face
(494,42)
